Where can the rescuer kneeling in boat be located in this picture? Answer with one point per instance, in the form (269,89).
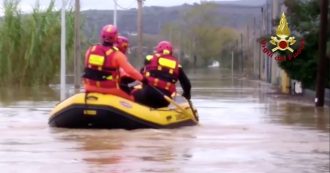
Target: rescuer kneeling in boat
(162,71)
(122,44)
(102,64)
(125,79)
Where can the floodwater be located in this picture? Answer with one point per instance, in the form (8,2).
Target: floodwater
(245,127)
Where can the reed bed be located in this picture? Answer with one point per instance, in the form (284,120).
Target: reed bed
(30,44)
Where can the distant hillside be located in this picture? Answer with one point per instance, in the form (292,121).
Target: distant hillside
(254,3)
(236,16)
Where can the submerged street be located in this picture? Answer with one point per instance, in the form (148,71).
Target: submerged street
(245,126)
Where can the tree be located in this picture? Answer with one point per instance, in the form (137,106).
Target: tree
(303,20)
(198,34)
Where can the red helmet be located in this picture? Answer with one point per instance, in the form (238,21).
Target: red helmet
(164,47)
(122,43)
(109,34)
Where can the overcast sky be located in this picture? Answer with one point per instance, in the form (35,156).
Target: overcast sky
(26,5)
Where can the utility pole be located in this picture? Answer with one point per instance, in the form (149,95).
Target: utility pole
(115,13)
(241,58)
(320,80)
(274,66)
(77,48)
(254,48)
(232,65)
(63,52)
(259,55)
(262,60)
(268,75)
(247,48)
(139,29)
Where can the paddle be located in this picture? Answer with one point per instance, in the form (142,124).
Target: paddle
(167,98)
(192,109)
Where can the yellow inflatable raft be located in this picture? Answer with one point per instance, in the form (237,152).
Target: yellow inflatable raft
(94,110)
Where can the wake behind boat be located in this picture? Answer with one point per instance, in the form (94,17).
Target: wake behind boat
(95,110)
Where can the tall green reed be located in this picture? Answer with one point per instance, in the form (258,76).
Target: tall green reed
(30,44)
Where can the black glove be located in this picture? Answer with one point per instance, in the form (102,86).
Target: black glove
(145,81)
(186,95)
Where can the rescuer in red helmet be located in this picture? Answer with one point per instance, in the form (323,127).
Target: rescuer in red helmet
(102,64)
(122,44)
(125,79)
(162,71)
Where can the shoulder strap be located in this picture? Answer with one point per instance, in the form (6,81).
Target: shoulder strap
(109,52)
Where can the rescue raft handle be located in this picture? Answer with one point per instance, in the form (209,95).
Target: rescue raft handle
(91,98)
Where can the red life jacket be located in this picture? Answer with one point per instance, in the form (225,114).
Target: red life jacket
(98,69)
(163,72)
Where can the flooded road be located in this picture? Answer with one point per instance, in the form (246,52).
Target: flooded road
(245,126)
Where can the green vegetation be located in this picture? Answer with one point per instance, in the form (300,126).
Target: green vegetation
(198,35)
(303,18)
(30,45)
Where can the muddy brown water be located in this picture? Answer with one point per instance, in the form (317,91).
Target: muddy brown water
(244,127)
